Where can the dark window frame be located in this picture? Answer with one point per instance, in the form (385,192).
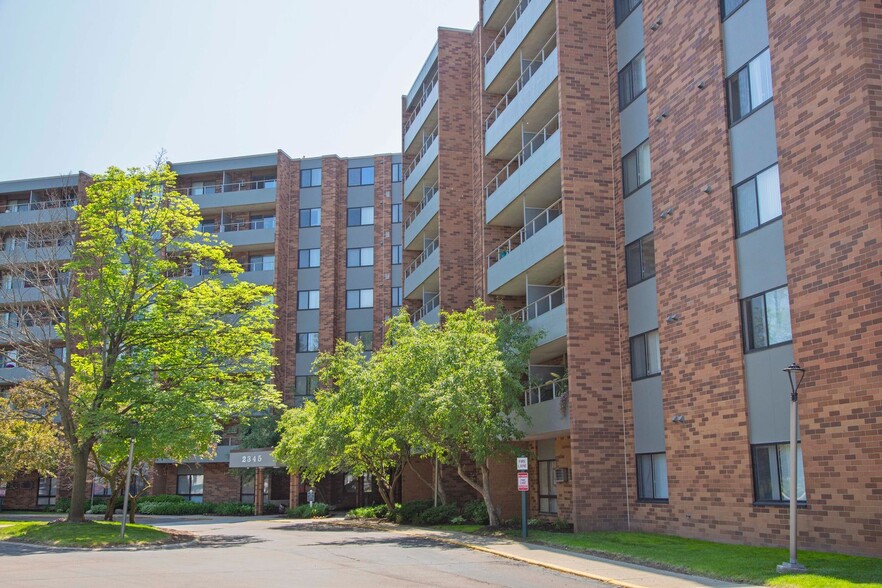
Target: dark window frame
(308,307)
(361,222)
(746,323)
(396,166)
(645,347)
(308,252)
(640,245)
(310,337)
(400,256)
(309,212)
(630,5)
(307,390)
(361,176)
(635,153)
(353,336)
(396,213)
(640,489)
(190,494)
(628,71)
(724,15)
(400,297)
(360,251)
(738,231)
(50,499)
(552,484)
(310,174)
(729,101)
(359,290)
(753,473)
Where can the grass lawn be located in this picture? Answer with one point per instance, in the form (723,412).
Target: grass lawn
(460,528)
(89,534)
(755,565)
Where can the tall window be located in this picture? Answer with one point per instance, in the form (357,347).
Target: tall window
(624,8)
(310,217)
(396,254)
(640,260)
(652,476)
(360,257)
(636,171)
(304,388)
(311,178)
(309,258)
(361,176)
(396,213)
(547,487)
(750,87)
(766,319)
(632,80)
(758,200)
(396,172)
(307,300)
(396,297)
(729,6)
(261,263)
(356,217)
(190,486)
(246,491)
(363,298)
(645,355)
(307,342)
(366,338)
(771,473)
(47,488)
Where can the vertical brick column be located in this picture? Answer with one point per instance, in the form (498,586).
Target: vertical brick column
(293,489)
(287,235)
(382,245)
(258,491)
(332,273)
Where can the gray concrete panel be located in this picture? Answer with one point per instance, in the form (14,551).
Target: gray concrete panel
(310,238)
(358,278)
(303,361)
(360,196)
(27,185)
(753,143)
(638,214)
(768,394)
(761,262)
(629,37)
(642,307)
(362,236)
(649,418)
(745,34)
(361,319)
(308,321)
(311,197)
(635,124)
(227,164)
(308,279)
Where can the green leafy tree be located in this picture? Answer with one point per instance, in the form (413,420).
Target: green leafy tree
(28,439)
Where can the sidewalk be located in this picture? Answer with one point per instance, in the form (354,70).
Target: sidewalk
(604,570)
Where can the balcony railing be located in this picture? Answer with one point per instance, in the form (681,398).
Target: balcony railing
(531,228)
(429,194)
(427,89)
(428,140)
(259,266)
(429,250)
(506,29)
(266,223)
(39,205)
(544,392)
(232,187)
(519,84)
(523,155)
(425,309)
(539,307)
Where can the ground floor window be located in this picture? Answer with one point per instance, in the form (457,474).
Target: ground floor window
(246,492)
(47,488)
(190,486)
(771,473)
(547,487)
(100,488)
(652,476)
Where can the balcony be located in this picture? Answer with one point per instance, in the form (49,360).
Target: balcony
(530,101)
(544,405)
(423,114)
(429,67)
(547,315)
(524,32)
(423,271)
(260,273)
(509,264)
(41,211)
(428,312)
(423,217)
(10,373)
(245,233)
(423,162)
(236,194)
(533,173)
(495,12)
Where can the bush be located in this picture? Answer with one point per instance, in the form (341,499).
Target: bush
(232,509)
(457,521)
(162,498)
(410,511)
(368,512)
(304,511)
(174,508)
(476,512)
(98,508)
(534,523)
(562,526)
(438,515)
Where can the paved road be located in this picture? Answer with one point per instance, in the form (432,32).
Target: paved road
(248,552)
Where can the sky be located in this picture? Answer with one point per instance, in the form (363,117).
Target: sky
(85,84)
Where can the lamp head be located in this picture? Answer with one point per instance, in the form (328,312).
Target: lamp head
(796,374)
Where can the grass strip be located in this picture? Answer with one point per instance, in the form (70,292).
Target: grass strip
(88,534)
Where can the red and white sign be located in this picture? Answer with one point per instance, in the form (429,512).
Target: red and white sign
(523,482)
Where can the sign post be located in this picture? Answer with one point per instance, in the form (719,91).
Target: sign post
(310,497)
(523,488)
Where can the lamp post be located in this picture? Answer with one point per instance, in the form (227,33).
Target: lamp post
(122,528)
(796,374)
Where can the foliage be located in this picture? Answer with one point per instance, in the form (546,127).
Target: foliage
(438,515)
(475,511)
(167,507)
(163,498)
(305,511)
(458,520)
(28,439)
(379,511)
(233,509)
(88,534)
(410,512)
(97,508)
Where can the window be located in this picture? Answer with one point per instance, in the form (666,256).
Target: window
(652,476)
(100,488)
(366,338)
(309,257)
(260,263)
(363,298)
(766,319)
(396,254)
(396,172)
(307,299)
(190,486)
(547,487)
(635,169)
(771,473)
(396,297)
(307,342)
(310,217)
(645,355)
(624,8)
(246,490)
(757,201)
(360,257)
(47,488)
(262,221)
(729,6)
(396,213)
(632,80)
(311,178)
(356,217)
(304,387)
(361,176)
(640,260)
(750,87)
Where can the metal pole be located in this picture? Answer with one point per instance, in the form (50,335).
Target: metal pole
(122,528)
(524,515)
(793,476)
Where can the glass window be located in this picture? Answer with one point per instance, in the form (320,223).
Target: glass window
(304,388)
(645,355)
(396,213)
(262,221)
(766,319)
(260,263)
(652,476)
(310,178)
(396,172)
(624,8)
(246,490)
(640,260)
(758,200)
(771,473)
(547,487)
(190,486)
(310,217)
(309,258)
(635,169)
(750,87)
(366,338)
(360,257)
(396,254)
(632,80)
(361,176)
(359,216)
(363,298)
(307,299)
(307,342)
(47,488)
(396,297)
(730,6)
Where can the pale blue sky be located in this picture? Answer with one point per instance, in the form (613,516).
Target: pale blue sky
(86,84)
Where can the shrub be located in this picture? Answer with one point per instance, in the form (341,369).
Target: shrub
(438,515)
(162,498)
(562,525)
(304,511)
(174,508)
(457,521)
(476,512)
(410,511)
(98,508)
(368,512)
(232,509)
(534,523)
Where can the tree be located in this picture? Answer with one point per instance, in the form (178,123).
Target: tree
(139,343)
(28,439)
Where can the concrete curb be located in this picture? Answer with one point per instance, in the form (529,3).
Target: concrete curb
(111,548)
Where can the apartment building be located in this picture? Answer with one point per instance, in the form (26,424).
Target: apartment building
(684,204)
(326,231)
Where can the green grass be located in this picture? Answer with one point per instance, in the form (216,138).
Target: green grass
(742,563)
(89,534)
(461,528)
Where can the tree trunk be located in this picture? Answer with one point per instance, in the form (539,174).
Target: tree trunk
(385,491)
(80,464)
(133,506)
(483,489)
(111,504)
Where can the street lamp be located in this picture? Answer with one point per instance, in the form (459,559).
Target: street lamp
(122,529)
(796,374)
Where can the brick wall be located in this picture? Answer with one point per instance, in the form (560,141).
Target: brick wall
(382,245)
(221,484)
(287,236)
(332,273)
